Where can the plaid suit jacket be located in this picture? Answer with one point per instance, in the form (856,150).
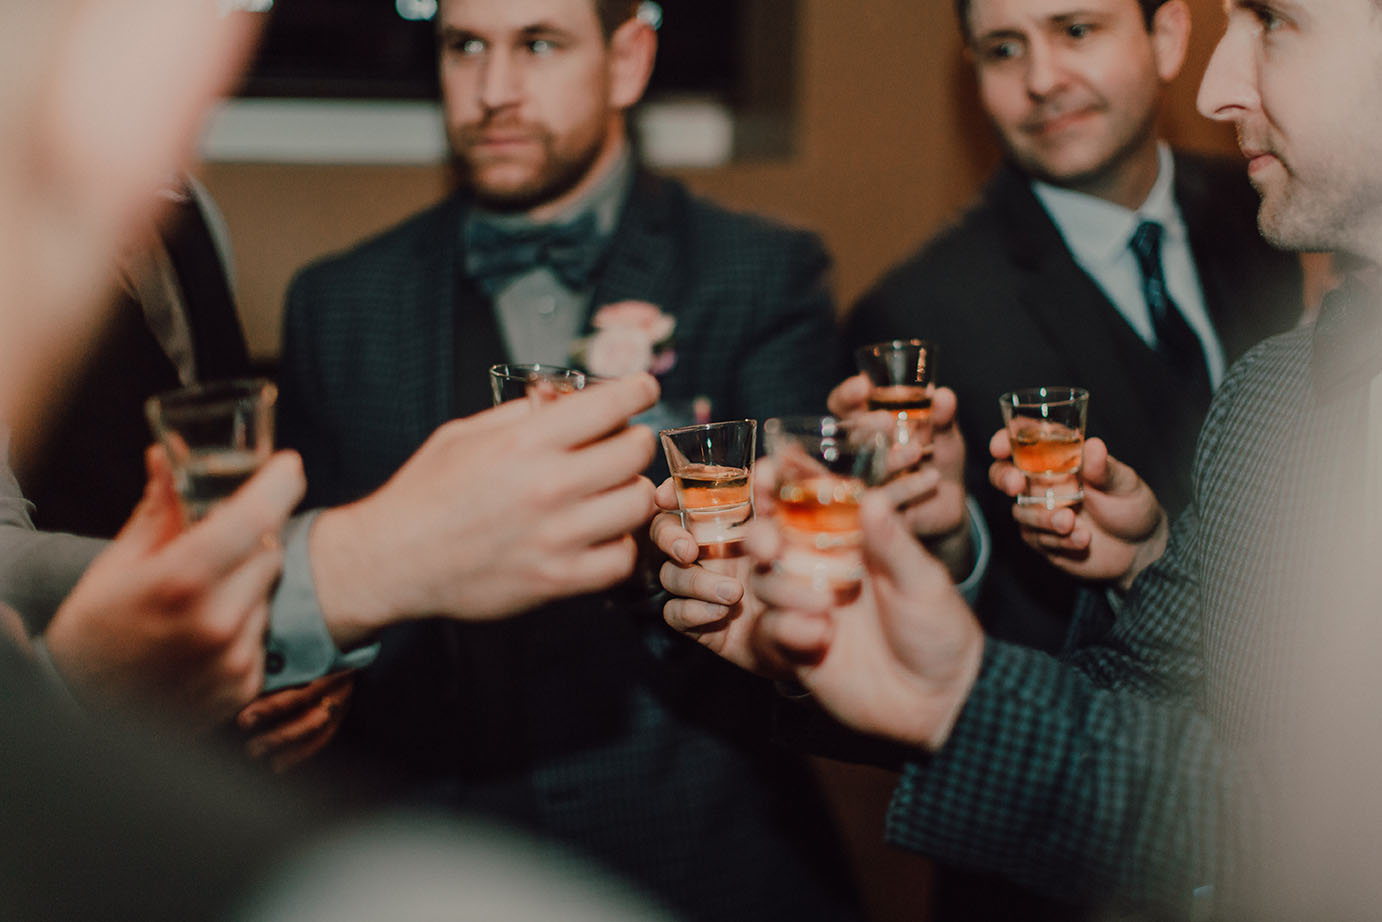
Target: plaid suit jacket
(587,721)
(1133,770)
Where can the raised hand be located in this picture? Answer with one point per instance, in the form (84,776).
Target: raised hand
(931,497)
(493,515)
(897,661)
(176,618)
(1116,532)
(708,600)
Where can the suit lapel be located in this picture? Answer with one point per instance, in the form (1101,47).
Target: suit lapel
(1134,385)
(472,339)
(1072,310)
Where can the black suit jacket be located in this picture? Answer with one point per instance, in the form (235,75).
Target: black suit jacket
(588,721)
(1006,304)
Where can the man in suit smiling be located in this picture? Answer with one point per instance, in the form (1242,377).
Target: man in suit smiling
(1041,281)
(588,721)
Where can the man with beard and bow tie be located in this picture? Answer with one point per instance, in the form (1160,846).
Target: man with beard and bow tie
(588,721)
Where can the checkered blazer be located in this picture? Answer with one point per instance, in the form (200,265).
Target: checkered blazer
(1131,770)
(589,723)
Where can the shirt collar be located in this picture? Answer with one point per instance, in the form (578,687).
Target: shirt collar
(1097,230)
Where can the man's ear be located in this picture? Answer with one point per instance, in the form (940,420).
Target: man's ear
(632,51)
(1170,38)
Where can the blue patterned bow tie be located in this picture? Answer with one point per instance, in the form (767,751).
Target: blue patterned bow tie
(496,255)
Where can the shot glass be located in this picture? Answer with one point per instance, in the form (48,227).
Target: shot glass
(711,467)
(901,372)
(541,383)
(216,435)
(824,465)
(1046,426)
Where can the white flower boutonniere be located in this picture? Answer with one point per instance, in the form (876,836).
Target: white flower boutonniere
(629,337)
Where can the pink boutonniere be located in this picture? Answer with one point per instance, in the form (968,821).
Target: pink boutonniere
(629,337)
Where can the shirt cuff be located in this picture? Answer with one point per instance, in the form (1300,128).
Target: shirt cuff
(298,647)
(983,551)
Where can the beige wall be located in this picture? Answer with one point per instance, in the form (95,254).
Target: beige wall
(888,146)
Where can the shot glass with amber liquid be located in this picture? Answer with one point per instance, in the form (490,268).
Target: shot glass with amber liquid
(901,375)
(1046,428)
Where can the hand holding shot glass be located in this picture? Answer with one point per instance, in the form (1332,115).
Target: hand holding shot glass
(541,383)
(823,466)
(901,374)
(711,467)
(216,435)
(1046,428)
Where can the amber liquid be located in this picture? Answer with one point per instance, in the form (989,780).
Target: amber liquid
(1049,454)
(820,523)
(825,506)
(1040,447)
(714,500)
(911,399)
(545,389)
(912,405)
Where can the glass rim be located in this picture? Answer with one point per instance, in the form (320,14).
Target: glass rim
(1049,396)
(523,370)
(700,427)
(211,393)
(823,425)
(875,348)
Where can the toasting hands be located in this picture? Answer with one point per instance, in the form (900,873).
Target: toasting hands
(932,497)
(175,618)
(1112,535)
(495,514)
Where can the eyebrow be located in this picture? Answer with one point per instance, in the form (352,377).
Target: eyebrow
(1057,19)
(538,29)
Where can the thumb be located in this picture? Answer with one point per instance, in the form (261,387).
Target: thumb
(159,517)
(849,396)
(1104,472)
(890,551)
(944,403)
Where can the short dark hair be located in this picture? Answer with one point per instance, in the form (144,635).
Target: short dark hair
(1149,8)
(614,13)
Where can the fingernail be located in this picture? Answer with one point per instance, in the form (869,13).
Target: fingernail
(248,720)
(727,593)
(685,550)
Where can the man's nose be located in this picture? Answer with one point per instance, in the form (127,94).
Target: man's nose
(501,80)
(1045,70)
(1229,88)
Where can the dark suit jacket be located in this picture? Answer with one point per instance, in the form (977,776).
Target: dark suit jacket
(588,721)
(1007,306)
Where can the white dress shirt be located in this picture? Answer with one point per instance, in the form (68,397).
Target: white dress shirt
(1097,233)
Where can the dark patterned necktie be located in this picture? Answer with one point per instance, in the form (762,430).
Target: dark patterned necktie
(496,255)
(1175,340)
